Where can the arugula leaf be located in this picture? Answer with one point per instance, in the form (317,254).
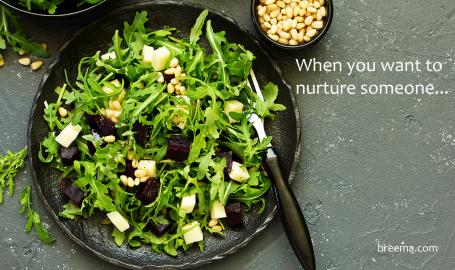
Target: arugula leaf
(264,108)
(10,164)
(51,6)
(12,33)
(196,30)
(33,218)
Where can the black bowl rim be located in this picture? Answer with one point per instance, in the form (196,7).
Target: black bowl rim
(321,34)
(186,265)
(46,15)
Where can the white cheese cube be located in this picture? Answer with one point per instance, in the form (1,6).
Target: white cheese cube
(147,54)
(161,58)
(217,211)
(68,135)
(188,203)
(232,106)
(149,166)
(119,221)
(194,234)
(239,172)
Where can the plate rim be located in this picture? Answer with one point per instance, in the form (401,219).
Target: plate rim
(201,262)
(46,15)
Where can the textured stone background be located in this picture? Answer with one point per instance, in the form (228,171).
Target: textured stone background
(374,168)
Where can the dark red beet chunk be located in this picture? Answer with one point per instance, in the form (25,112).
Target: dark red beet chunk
(159,229)
(71,191)
(234,215)
(148,191)
(102,124)
(91,146)
(168,77)
(142,133)
(129,170)
(178,148)
(69,155)
(228,157)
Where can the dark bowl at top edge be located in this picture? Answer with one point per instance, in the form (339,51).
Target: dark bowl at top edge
(21,9)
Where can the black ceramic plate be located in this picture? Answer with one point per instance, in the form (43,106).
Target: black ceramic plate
(67,8)
(97,36)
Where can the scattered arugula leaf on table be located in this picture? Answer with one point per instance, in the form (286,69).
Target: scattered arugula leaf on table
(10,164)
(33,218)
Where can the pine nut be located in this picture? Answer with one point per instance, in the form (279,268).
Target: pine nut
(137,181)
(2,62)
(24,61)
(286,26)
(170,88)
(294,35)
(261,11)
(299,19)
(308,20)
(124,179)
(109,139)
(116,105)
(281,4)
(317,24)
(261,20)
(273,37)
(311,33)
(143,179)
(300,36)
(169,71)
(130,182)
(311,9)
(174,62)
(213,222)
(300,26)
(44,46)
(62,111)
(296,11)
(273,29)
(275,13)
(305,38)
(134,163)
(109,113)
(174,81)
(293,42)
(289,12)
(285,35)
(21,52)
(269,2)
(323,11)
(294,23)
(217,228)
(268,25)
(272,7)
(267,17)
(316,4)
(117,113)
(319,15)
(273,21)
(283,41)
(322,2)
(182,90)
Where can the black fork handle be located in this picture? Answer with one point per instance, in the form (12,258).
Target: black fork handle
(290,213)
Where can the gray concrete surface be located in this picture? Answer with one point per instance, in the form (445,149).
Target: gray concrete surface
(374,168)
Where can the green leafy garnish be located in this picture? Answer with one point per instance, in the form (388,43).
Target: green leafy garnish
(33,219)
(12,32)
(191,106)
(51,6)
(10,164)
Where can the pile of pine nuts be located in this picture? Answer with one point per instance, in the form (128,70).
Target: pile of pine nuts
(291,22)
(175,85)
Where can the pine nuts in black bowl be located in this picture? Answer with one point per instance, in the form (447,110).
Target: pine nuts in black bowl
(292,24)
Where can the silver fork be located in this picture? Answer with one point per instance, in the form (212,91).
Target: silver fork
(288,208)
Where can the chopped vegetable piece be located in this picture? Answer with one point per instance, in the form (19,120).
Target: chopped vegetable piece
(102,124)
(119,221)
(68,135)
(217,211)
(148,191)
(73,192)
(69,154)
(193,233)
(239,172)
(159,229)
(234,215)
(178,149)
(188,203)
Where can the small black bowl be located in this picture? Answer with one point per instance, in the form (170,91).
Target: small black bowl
(66,9)
(327,22)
